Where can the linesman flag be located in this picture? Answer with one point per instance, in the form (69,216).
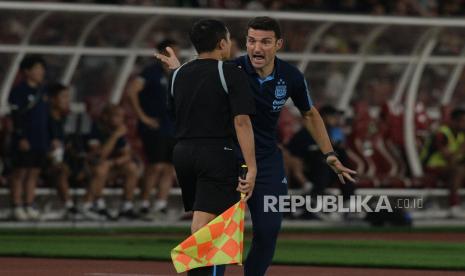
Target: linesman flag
(217,243)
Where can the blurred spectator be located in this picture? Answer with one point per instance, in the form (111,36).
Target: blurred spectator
(58,171)
(303,146)
(276,5)
(335,84)
(110,157)
(377,7)
(6,130)
(188,3)
(294,168)
(255,5)
(451,7)
(444,155)
(225,4)
(30,138)
(148,95)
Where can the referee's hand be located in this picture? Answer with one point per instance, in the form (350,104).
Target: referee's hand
(246,185)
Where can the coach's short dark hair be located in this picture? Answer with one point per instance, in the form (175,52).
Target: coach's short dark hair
(55,88)
(166,43)
(457,113)
(30,61)
(206,34)
(265,23)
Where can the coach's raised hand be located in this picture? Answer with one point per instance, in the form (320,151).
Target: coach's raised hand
(341,171)
(170,60)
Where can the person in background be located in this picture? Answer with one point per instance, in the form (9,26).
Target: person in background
(59,98)
(110,155)
(444,155)
(304,147)
(30,138)
(294,168)
(148,97)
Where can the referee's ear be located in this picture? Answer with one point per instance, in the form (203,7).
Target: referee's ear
(223,44)
(225,48)
(226,42)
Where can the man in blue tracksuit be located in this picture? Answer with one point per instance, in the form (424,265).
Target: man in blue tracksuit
(273,81)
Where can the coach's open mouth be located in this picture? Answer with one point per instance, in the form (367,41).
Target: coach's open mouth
(258,58)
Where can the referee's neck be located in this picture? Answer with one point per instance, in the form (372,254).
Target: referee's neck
(211,55)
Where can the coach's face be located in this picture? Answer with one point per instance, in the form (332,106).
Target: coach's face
(262,47)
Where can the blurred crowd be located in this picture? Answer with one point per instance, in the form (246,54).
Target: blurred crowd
(128,145)
(375,7)
(45,144)
(104,146)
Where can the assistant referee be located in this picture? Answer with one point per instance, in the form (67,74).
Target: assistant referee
(212,102)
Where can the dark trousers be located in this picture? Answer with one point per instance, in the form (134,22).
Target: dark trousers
(202,271)
(271,180)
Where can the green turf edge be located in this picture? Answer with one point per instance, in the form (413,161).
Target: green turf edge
(95,230)
(374,254)
(185,230)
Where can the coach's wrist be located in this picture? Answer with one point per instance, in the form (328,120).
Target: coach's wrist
(328,155)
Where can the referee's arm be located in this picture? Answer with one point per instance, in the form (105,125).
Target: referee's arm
(242,105)
(245,137)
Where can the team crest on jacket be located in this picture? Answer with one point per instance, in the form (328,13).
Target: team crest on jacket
(281,90)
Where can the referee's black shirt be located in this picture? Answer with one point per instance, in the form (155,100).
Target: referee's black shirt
(202,107)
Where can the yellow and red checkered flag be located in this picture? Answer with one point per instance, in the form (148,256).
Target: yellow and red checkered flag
(217,243)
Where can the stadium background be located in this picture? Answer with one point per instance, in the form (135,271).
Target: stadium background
(395,68)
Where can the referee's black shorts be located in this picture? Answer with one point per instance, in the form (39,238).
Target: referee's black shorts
(207,171)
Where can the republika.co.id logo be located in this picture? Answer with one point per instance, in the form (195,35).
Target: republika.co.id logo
(333,203)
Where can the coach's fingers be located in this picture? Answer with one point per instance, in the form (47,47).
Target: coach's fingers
(172,59)
(339,168)
(347,173)
(343,176)
(170,51)
(161,57)
(348,176)
(347,170)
